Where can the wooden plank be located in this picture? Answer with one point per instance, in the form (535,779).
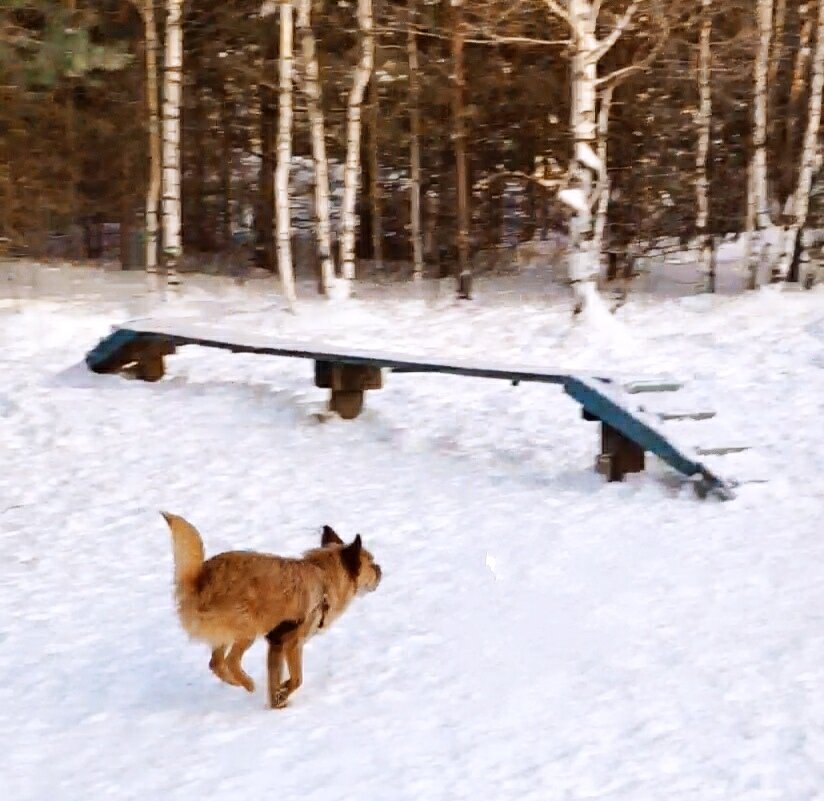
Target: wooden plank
(722,450)
(651,385)
(676,416)
(187,333)
(602,401)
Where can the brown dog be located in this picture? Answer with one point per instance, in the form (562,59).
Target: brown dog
(232,598)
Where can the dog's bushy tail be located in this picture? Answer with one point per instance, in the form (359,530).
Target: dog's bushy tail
(187,547)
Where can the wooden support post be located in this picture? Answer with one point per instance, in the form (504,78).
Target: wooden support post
(347,383)
(619,455)
(348,404)
(138,355)
(147,357)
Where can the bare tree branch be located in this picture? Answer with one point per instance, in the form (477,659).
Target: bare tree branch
(615,77)
(491,38)
(556,8)
(607,44)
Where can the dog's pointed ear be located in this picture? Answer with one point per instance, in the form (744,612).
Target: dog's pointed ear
(329,537)
(350,556)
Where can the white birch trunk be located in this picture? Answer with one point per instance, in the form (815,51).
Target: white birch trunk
(283,218)
(603,178)
(312,90)
(351,174)
(414,144)
(172,93)
(153,189)
(587,50)
(759,193)
(584,261)
(809,153)
(778,41)
(797,87)
(752,262)
(702,183)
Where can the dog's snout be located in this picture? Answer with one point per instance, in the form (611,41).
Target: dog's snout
(378,572)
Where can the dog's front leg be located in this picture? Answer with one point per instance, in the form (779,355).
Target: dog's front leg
(274,668)
(293,651)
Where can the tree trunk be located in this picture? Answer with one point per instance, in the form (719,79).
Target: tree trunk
(584,260)
(351,173)
(226,116)
(312,89)
(265,218)
(752,262)
(799,83)
(603,178)
(702,182)
(459,139)
(153,189)
(198,231)
(126,212)
(282,201)
(375,200)
(72,150)
(779,24)
(414,143)
(809,154)
(432,215)
(172,85)
(759,198)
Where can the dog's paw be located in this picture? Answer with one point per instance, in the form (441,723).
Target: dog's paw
(280,697)
(246,683)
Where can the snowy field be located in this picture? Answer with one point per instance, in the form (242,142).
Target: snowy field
(539,634)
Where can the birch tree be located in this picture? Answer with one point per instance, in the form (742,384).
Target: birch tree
(373,148)
(603,177)
(758,200)
(800,201)
(153,189)
(172,91)
(375,200)
(351,173)
(797,85)
(581,17)
(702,181)
(283,218)
(312,90)
(414,142)
(779,25)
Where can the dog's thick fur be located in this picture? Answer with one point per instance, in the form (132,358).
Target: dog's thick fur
(232,598)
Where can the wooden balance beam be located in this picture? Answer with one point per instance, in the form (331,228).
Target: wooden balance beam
(628,431)
(139,348)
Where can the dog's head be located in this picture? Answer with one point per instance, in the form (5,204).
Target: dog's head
(359,564)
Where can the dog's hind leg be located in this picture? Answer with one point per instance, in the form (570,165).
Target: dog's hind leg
(233,664)
(218,666)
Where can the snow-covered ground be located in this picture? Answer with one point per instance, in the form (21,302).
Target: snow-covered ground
(539,634)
